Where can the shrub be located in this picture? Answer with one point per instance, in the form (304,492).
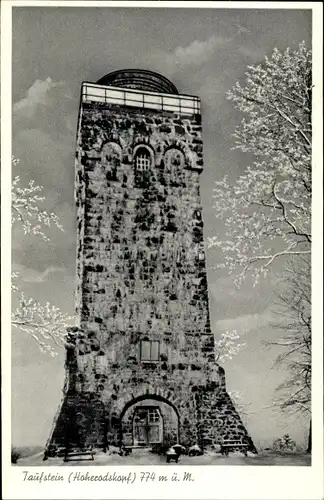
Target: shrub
(15,455)
(285,443)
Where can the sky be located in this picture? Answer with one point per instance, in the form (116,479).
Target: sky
(203,52)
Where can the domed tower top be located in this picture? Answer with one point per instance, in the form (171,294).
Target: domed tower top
(139,79)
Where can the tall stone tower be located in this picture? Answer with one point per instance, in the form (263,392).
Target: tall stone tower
(140,368)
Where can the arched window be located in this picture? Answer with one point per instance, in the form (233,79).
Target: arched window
(143,162)
(173,160)
(111,156)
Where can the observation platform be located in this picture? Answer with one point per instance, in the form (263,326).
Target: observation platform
(140,89)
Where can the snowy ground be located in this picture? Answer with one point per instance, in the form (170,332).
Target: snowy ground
(144,457)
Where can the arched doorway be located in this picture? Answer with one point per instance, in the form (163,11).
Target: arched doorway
(149,420)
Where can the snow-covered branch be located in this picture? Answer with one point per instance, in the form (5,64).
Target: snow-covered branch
(266,211)
(25,204)
(46,324)
(228,346)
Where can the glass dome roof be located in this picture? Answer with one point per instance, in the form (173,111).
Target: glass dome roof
(139,79)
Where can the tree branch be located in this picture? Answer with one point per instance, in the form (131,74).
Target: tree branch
(285,216)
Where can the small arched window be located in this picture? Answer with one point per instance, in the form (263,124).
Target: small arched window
(173,160)
(143,161)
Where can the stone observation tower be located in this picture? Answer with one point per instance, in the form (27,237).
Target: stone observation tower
(140,368)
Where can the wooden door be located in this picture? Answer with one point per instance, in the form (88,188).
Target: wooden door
(147,426)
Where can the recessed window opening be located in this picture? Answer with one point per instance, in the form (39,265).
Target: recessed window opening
(174,159)
(150,350)
(143,161)
(111,159)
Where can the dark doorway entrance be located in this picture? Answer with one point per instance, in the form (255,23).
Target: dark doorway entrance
(147,426)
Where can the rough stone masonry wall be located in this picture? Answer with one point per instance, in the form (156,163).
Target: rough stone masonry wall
(141,275)
(217,417)
(205,412)
(101,392)
(141,252)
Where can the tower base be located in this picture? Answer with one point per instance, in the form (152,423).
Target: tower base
(133,414)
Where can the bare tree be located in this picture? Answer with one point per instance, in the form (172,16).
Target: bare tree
(294,310)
